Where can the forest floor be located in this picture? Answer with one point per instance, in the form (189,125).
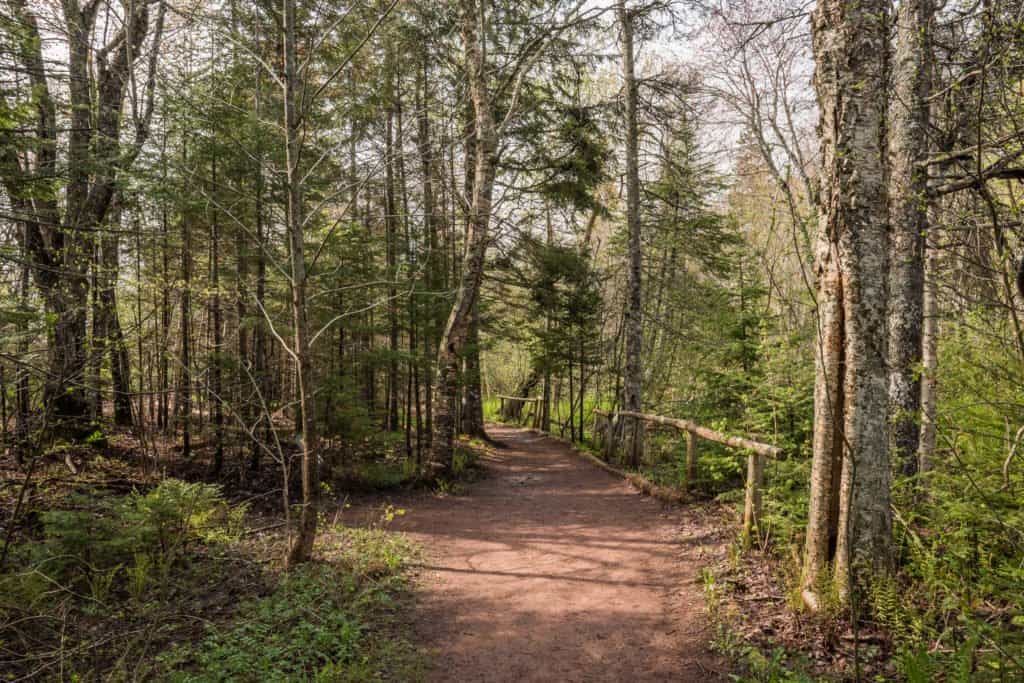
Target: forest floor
(549,568)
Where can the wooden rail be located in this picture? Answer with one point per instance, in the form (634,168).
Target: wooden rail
(756,454)
(532,402)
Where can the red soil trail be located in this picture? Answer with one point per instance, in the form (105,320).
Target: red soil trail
(551,569)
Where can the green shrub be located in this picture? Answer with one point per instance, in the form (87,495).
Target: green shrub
(385,473)
(97,536)
(463,460)
(97,439)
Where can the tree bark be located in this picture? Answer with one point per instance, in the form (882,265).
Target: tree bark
(633,380)
(109,342)
(908,214)
(22,397)
(260,351)
(473,412)
(851,398)
(391,250)
(434,260)
(183,402)
(929,360)
(165,323)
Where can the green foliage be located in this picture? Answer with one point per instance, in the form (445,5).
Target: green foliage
(961,543)
(773,667)
(385,474)
(98,537)
(96,438)
(323,622)
(463,460)
(566,306)
(575,161)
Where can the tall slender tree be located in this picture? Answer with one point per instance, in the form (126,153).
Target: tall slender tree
(632,384)
(302,546)
(453,339)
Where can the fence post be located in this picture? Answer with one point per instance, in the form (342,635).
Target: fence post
(752,505)
(610,445)
(691,458)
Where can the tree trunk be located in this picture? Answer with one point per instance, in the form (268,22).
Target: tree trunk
(260,355)
(513,410)
(22,398)
(302,547)
(216,389)
(434,260)
(851,401)
(165,323)
(633,380)
(453,339)
(391,250)
(113,335)
(183,403)
(929,360)
(61,244)
(97,338)
(473,412)
(908,215)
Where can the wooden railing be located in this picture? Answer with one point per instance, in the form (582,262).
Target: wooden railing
(532,411)
(606,425)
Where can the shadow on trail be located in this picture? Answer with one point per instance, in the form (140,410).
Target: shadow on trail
(550,568)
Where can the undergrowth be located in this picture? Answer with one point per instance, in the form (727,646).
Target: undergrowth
(174,584)
(332,621)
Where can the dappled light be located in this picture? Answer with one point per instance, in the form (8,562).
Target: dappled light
(512,340)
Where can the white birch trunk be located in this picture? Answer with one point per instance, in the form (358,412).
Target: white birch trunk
(908,213)
(851,396)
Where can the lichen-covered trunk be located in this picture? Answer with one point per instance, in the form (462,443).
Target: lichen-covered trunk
(908,214)
(827,443)
(851,397)
(60,236)
(453,339)
(633,381)
(117,349)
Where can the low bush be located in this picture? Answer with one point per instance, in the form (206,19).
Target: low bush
(108,533)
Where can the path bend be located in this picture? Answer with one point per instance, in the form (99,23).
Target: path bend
(551,569)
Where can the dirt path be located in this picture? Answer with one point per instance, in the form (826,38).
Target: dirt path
(551,569)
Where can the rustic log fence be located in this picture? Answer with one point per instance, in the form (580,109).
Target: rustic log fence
(608,426)
(516,406)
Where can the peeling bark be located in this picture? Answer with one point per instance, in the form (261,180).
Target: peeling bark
(851,397)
